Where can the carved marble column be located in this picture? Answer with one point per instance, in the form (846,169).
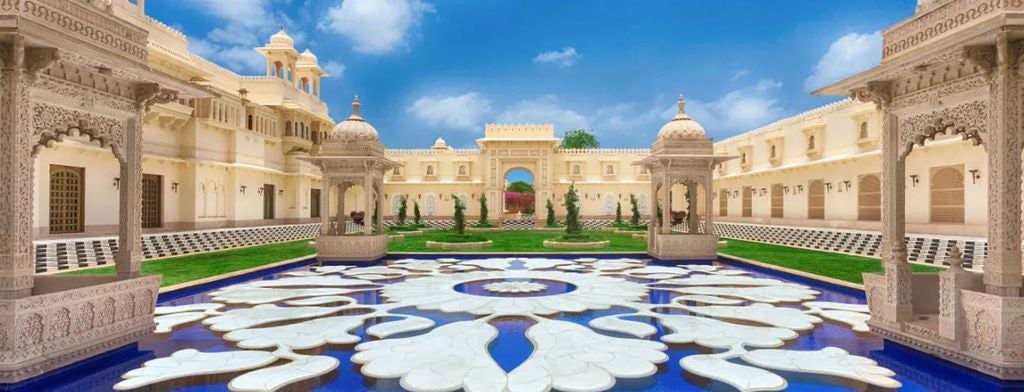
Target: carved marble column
(898,276)
(666,189)
(652,224)
(709,222)
(1003,267)
(16,168)
(379,187)
(341,217)
(325,206)
(368,210)
(128,259)
(691,213)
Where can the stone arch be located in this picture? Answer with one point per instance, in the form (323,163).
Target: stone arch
(968,120)
(108,132)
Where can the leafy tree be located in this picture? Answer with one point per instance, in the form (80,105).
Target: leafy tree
(635,219)
(618,212)
(551,221)
(460,215)
(572,211)
(402,209)
(483,209)
(520,187)
(416,212)
(579,138)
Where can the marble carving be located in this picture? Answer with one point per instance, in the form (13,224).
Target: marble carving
(744,321)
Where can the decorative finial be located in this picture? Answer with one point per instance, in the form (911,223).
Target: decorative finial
(355,106)
(681,103)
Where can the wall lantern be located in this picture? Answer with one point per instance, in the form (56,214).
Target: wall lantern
(828,187)
(280,192)
(117,182)
(913,180)
(260,191)
(242,189)
(763,191)
(974,176)
(847,184)
(174,187)
(800,188)
(786,189)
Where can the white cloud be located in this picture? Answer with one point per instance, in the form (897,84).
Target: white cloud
(738,110)
(333,68)
(243,25)
(465,112)
(846,56)
(239,58)
(375,26)
(739,75)
(542,110)
(563,58)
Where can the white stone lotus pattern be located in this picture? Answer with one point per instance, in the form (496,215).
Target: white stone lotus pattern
(273,322)
(515,287)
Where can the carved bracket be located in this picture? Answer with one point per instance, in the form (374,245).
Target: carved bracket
(981,56)
(878,92)
(149,94)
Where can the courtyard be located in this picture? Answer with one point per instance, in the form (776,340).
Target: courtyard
(428,196)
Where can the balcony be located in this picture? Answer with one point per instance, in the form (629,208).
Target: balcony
(271,91)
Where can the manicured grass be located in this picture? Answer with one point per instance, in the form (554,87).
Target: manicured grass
(833,265)
(457,238)
(188,268)
(520,241)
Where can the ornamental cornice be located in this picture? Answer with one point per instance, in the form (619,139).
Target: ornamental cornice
(84,22)
(942,21)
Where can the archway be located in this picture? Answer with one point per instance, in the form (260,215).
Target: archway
(519,196)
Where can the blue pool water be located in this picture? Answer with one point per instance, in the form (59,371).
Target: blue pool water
(917,372)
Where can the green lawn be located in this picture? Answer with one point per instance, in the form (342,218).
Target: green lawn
(182,269)
(521,241)
(833,265)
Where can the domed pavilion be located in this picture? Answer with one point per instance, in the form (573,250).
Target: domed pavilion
(352,155)
(684,155)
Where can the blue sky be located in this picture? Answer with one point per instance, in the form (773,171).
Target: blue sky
(443,68)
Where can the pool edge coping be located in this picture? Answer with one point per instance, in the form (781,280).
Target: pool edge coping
(232,274)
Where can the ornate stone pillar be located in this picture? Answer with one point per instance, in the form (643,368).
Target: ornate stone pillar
(666,188)
(368,210)
(652,224)
(898,276)
(20,65)
(379,186)
(691,214)
(325,206)
(709,223)
(1003,267)
(341,218)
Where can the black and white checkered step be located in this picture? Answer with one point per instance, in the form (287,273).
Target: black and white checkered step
(920,248)
(86,252)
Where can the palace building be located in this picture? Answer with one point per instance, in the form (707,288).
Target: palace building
(236,158)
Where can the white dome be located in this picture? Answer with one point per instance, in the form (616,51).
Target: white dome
(681,126)
(308,56)
(440,144)
(355,127)
(281,38)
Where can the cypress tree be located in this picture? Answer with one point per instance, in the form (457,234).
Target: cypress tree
(460,215)
(483,209)
(551,222)
(402,209)
(618,212)
(572,211)
(635,219)
(416,212)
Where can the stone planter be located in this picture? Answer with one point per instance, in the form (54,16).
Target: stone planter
(458,245)
(575,245)
(408,233)
(639,235)
(620,231)
(549,229)
(395,238)
(484,229)
(351,247)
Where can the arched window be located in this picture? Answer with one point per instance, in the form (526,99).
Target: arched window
(248,122)
(723,202)
(609,170)
(748,201)
(397,171)
(810,142)
(288,128)
(575,170)
(430,170)
(864,130)
(462,170)
(278,69)
(743,158)
(816,200)
(947,195)
(773,151)
(869,198)
(777,201)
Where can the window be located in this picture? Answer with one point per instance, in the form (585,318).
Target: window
(609,170)
(777,201)
(816,200)
(869,198)
(397,171)
(773,151)
(314,203)
(248,122)
(430,170)
(67,186)
(743,158)
(810,142)
(947,194)
(748,201)
(462,170)
(152,201)
(268,201)
(723,202)
(576,170)
(864,130)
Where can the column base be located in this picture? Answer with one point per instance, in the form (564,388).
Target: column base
(70,318)
(684,246)
(351,247)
